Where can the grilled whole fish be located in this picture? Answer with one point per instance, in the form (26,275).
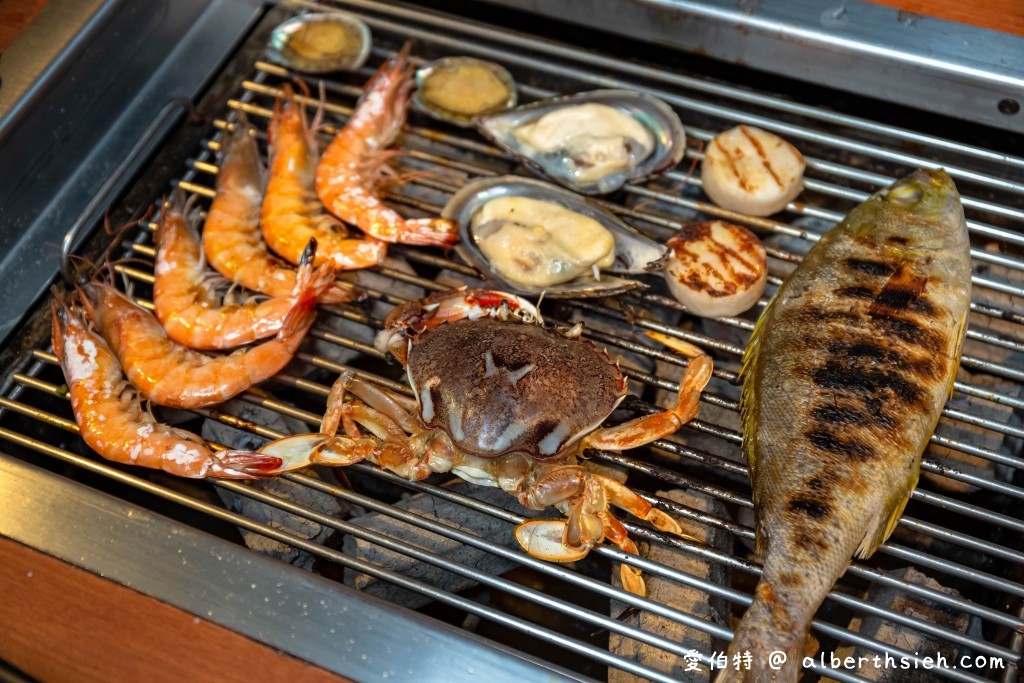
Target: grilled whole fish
(844,379)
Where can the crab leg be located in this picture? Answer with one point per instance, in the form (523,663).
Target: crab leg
(587,497)
(644,430)
(413,457)
(632,581)
(395,406)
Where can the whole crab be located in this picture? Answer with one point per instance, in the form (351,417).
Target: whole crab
(501,400)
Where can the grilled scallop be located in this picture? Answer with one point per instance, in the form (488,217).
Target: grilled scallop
(716,268)
(752,171)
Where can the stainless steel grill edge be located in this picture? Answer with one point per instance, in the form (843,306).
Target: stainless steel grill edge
(965,540)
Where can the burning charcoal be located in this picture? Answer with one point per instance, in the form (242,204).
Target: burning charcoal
(342,327)
(905,637)
(450,278)
(683,598)
(973,435)
(284,521)
(280,488)
(440,510)
(1006,302)
(997,413)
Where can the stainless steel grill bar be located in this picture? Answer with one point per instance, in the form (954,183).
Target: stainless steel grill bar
(854,569)
(723,90)
(412,551)
(880,577)
(430,148)
(969,361)
(727,434)
(980,255)
(312,419)
(696,205)
(461,45)
(362,566)
(709,398)
(873,179)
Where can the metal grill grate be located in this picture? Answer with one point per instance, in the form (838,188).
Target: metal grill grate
(960,528)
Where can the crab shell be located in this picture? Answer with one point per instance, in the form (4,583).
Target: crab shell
(487,372)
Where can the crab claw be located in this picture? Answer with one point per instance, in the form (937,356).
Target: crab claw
(545,538)
(303,450)
(293,452)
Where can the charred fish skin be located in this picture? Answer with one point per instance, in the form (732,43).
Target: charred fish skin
(844,380)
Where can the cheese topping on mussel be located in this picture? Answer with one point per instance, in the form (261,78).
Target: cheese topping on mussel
(596,139)
(537,243)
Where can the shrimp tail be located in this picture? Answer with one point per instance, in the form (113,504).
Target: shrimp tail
(313,283)
(310,283)
(243,465)
(431,231)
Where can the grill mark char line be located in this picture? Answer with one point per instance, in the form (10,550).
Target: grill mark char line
(761,153)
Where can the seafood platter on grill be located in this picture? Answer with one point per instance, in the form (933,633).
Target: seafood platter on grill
(850,364)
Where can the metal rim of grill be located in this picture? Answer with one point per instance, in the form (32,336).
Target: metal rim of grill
(833,187)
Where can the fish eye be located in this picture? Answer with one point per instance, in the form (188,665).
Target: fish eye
(905,195)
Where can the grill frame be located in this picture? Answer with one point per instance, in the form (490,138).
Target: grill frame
(36,363)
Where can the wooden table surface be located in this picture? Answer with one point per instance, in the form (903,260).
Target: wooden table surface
(62,623)
(15,16)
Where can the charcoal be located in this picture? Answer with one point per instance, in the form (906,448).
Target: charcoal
(341,327)
(973,435)
(998,413)
(905,637)
(683,598)
(440,510)
(280,488)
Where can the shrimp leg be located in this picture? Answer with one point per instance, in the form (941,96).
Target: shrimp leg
(351,167)
(232,239)
(292,214)
(113,423)
(172,375)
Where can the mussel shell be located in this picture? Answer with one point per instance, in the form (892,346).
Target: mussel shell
(462,120)
(634,253)
(658,117)
(281,48)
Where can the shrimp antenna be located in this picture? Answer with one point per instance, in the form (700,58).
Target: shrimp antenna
(318,117)
(76,269)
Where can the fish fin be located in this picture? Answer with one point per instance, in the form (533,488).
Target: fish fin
(760,537)
(886,523)
(902,289)
(748,406)
(961,332)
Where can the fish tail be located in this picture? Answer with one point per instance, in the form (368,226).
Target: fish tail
(774,643)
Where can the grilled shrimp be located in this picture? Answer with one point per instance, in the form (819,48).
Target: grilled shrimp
(185,296)
(353,164)
(113,423)
(292,214)
(172,375)
(232,240)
